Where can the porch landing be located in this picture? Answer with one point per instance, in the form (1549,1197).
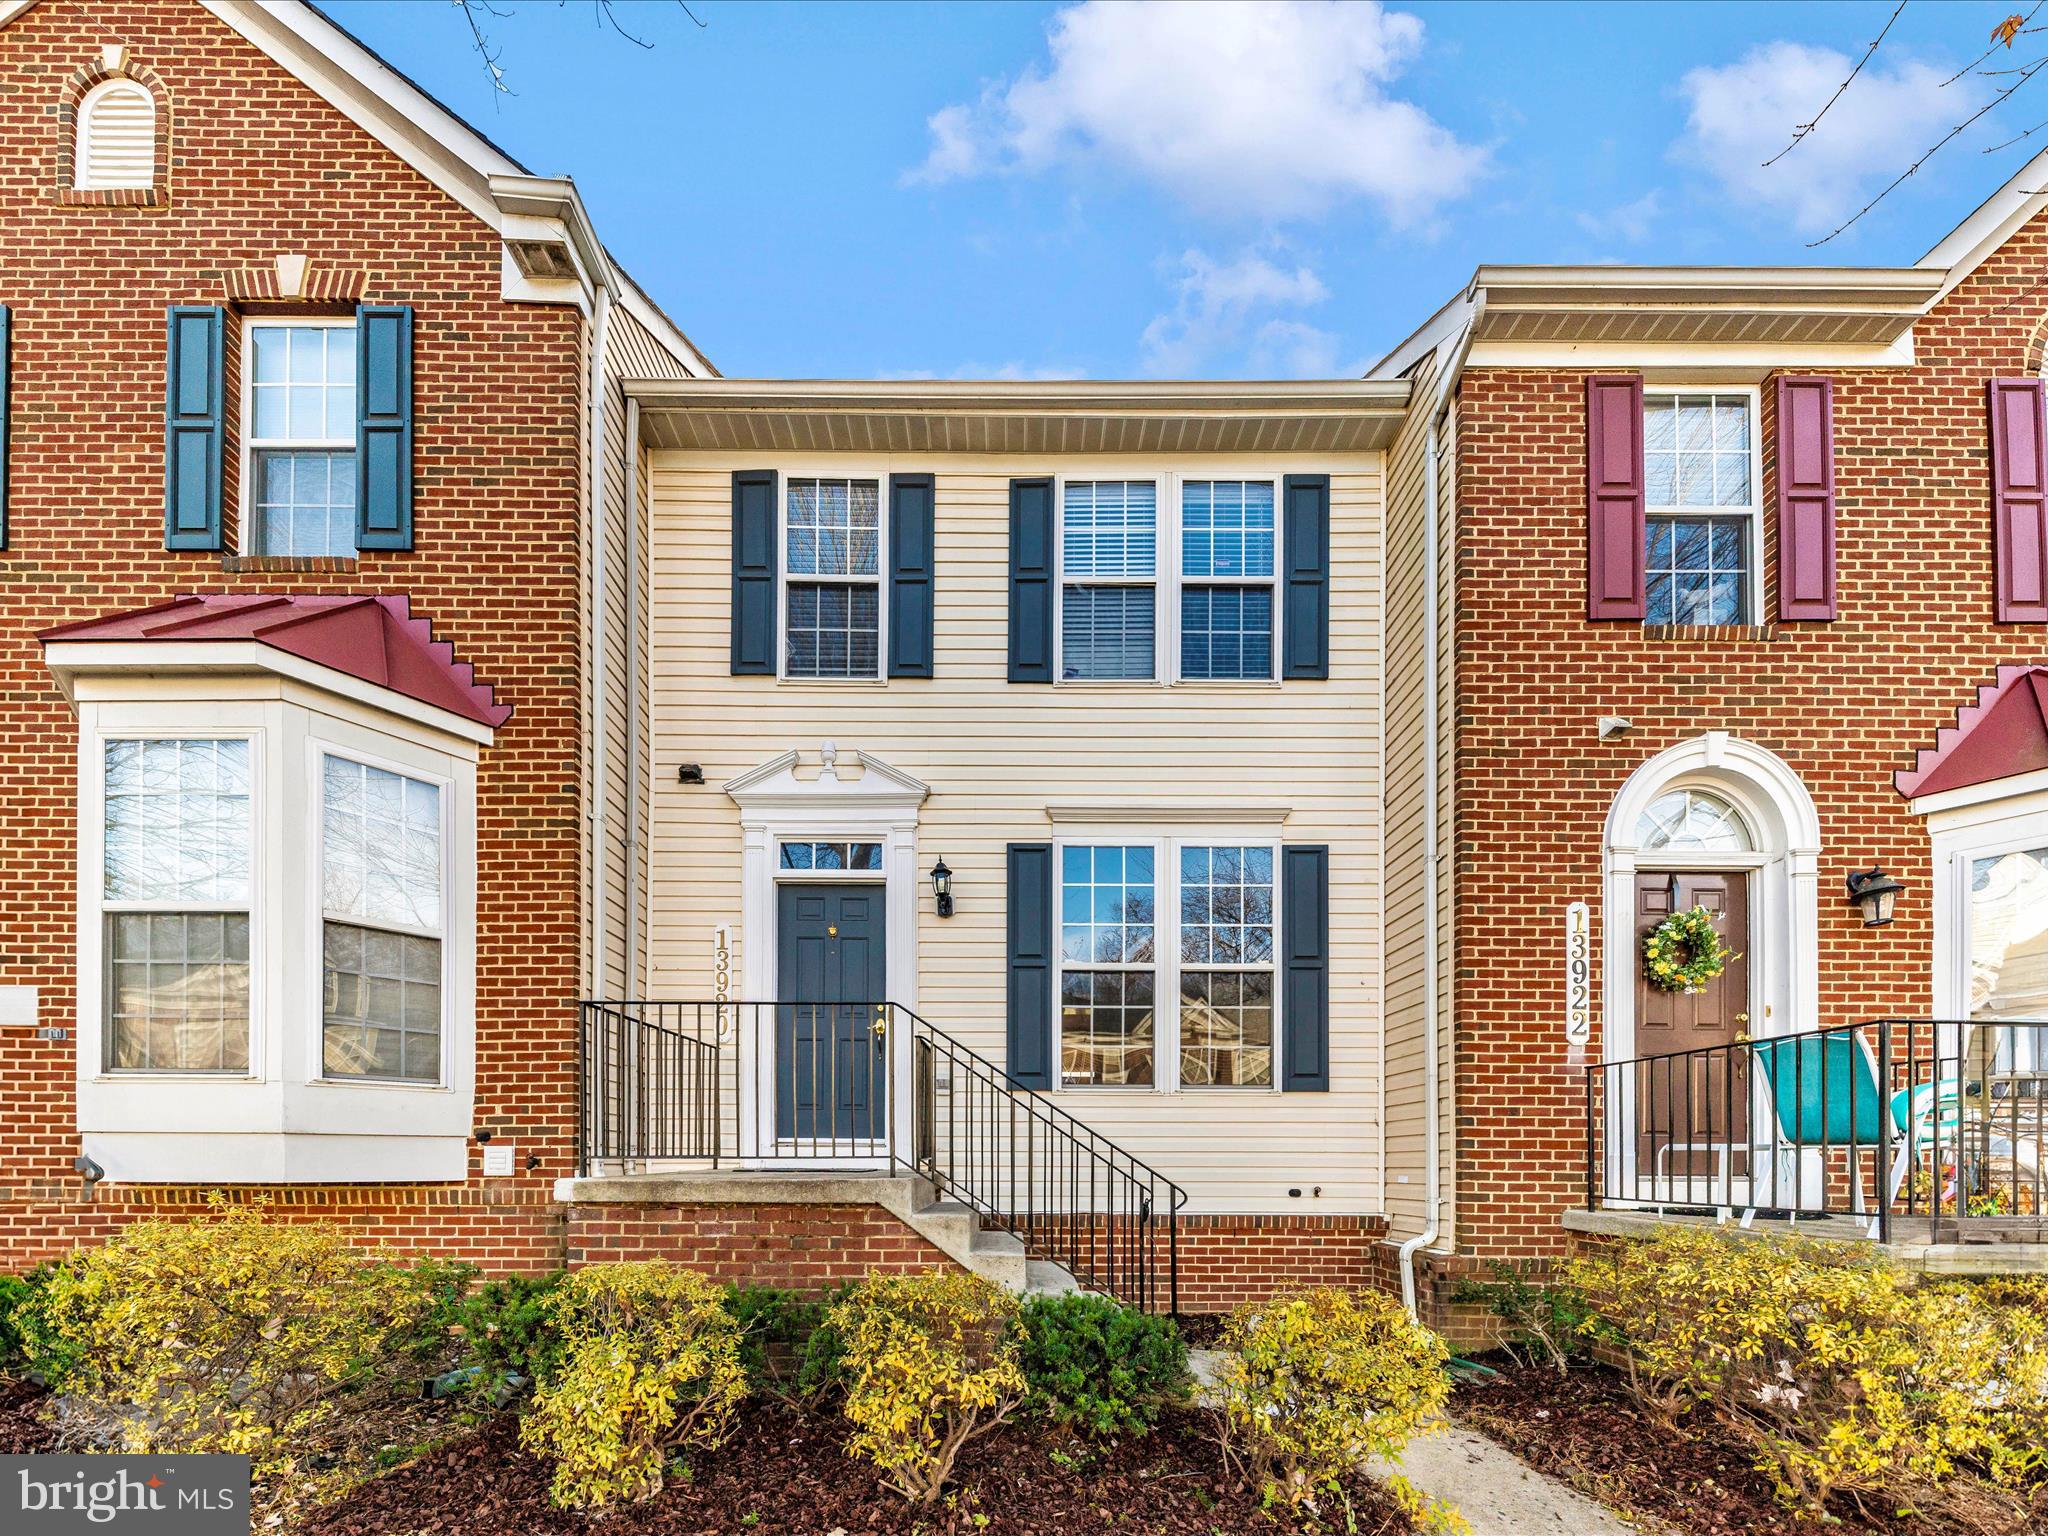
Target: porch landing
(947,1225)
(1962,1259)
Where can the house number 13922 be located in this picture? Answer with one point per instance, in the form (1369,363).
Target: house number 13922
(1578,974)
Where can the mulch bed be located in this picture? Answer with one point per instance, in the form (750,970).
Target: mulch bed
(1584,1430)
(784,1473)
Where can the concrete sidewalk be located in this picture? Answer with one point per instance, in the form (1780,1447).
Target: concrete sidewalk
(1497,1492)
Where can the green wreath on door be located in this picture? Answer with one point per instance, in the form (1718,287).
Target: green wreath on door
(1685,952)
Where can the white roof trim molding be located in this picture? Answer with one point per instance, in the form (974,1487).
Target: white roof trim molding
(552,254)
(776,784)
(1966,247)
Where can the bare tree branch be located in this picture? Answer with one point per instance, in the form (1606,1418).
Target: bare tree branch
(605,12)
(1804,129)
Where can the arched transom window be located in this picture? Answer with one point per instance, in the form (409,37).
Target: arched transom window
(116,137)
(1691,820)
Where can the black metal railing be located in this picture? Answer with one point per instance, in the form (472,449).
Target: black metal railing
(1025,1165)
(1895,1122)
(814,1084)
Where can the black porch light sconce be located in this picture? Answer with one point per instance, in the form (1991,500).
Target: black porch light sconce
(1874,891)
(942,887)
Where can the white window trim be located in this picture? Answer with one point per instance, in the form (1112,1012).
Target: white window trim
(2014,823)
(1168,576)
(1753,513)
(784,576)
(1166,845)
(282,1116)
(245,386)
(81,146)
(93,787)
(317,754)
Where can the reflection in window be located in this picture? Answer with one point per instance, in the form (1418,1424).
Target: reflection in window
(1108,959)
(2008,937)
(381,873)
(175,897)
(1701,502)
(302,439)
(1226,952)
(832,856)
(1691,819)
(1226,601)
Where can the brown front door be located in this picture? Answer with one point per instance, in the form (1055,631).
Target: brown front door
(1692,1107)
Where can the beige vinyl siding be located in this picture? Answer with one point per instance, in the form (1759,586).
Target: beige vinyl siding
(632,352)
(1446,819)
(1410,843)
(996,755)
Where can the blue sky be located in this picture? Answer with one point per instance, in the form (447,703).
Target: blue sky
(857,190)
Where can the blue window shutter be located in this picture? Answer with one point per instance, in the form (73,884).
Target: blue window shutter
(383,426)
(1305,535)
(1305,988)
(912,514)
(753,573)
(6,408)
(193,436)
(1031,595)
(1029,1055)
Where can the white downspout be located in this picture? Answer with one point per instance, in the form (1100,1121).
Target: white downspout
(1431,725)
(600,763)
(629,469)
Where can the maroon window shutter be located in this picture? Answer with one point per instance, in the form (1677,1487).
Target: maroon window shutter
(2019,502)
(1806,499)
(1614,497)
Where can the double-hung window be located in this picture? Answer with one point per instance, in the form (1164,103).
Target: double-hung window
(1227,537)
(1109,566)
(1700,494)
(175,904)
(1191,920)
(300,436)
(832,621)
(381,879)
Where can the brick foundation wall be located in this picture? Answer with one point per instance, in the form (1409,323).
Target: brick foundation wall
(805,1248)
(1226,1260)
(1844,703)
(259,166)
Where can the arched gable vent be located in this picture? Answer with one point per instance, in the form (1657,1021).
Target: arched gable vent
(116,137)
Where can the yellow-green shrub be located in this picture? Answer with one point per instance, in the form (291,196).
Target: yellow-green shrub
(648,1363)
(241,1334)
(930,1362)
(1314,1385)
(1843,1373)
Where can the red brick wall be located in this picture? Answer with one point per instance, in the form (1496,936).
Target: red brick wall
(261,166)
(1845,704)
(1228,1260)
(808,1248)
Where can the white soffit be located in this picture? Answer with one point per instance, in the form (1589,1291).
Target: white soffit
(1111,417)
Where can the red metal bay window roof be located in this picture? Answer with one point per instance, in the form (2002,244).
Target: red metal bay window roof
(374,639)
(2004,733)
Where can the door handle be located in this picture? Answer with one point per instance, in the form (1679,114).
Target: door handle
(881,1024)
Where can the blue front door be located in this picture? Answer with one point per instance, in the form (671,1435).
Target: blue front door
(831,1060)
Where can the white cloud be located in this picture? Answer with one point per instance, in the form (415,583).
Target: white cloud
(1270,109)
(1744,113)
(1224,309)
(1630,222)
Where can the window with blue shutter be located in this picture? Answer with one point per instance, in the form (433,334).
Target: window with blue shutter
(1030,939)
(193,435)
(1305,984)
(1109,561)
(1031,563)
(384,426)
(1305,536)
(1228,537)
(753,573)
(912,516)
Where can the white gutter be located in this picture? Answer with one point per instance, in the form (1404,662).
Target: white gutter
(594,629)
(629,469)
(1432,599)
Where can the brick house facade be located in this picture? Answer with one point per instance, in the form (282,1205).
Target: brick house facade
(1553,715)
(261,181)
